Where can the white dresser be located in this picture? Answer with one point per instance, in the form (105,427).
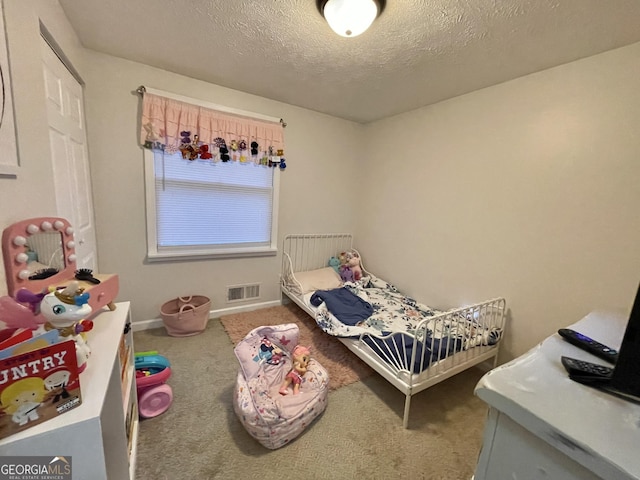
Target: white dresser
(542,425)
(99,435)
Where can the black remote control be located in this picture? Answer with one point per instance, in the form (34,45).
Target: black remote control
(589,345)
(580,368)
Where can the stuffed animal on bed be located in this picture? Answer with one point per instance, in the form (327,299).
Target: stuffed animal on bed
(335,264)
(350,269)
(301,356)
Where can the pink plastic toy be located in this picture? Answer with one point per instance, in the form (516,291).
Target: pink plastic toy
(58,269)
(154,395)
(16,315)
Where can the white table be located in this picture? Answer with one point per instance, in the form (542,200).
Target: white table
(542,425)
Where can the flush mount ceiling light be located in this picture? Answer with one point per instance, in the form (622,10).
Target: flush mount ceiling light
(350,18)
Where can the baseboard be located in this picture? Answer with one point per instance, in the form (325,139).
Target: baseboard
(157,322)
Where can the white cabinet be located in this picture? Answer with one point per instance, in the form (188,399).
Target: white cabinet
(99,435)
(542,425)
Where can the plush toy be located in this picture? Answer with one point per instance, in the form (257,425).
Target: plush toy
(152,139)
(66,310)
(204,152)
(188,148)
(350,269)
(242,146)
(217,145)
(334,263)
(264,160)
(301,356)
(224,154)
(234,147)
(222,148)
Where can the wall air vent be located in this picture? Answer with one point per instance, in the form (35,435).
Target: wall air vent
(237,293)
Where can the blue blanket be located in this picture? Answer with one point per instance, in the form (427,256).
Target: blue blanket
(345,305)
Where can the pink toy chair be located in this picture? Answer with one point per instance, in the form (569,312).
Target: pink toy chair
(265,359)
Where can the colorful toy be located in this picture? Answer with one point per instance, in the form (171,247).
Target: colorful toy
(334,263)
(154,395)
(66,310)
(350,269)
(204,152)
(301,356)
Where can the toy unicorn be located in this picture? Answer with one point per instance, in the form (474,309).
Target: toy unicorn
(66,311)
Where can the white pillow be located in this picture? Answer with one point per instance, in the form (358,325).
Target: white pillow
(322,279)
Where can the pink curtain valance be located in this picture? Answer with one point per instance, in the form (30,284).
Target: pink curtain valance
(172,125)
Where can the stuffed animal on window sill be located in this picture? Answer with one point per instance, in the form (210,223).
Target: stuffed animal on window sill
(301,356)
(350,269)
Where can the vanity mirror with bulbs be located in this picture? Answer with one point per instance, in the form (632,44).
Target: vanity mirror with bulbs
(40,253)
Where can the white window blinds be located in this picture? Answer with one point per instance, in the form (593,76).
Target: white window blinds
(212,206)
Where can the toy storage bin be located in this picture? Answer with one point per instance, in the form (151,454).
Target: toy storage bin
(185,316)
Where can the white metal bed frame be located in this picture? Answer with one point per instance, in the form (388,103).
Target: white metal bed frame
(305,252)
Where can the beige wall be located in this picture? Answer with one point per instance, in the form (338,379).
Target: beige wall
(528,190)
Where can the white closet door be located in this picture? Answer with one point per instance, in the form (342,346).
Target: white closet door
(68,140)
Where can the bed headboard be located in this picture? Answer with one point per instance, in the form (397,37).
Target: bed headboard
(310,251)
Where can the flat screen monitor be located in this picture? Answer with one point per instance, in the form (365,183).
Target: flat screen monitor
(626,373)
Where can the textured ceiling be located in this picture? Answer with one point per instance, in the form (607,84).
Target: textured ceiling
(416,53)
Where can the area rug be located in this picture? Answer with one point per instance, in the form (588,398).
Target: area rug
(343,366)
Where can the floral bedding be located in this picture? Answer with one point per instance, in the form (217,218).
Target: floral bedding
(395,312)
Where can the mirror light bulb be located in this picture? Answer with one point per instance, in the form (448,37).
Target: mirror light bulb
(32,228)
(350,18)
(19,241)
(23,274)
(46,226)
(58,224)
(22,258)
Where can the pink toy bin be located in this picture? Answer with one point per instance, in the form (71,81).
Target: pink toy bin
(154,395)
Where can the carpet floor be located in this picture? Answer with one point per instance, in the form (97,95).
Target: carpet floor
(344,367)
(359,435)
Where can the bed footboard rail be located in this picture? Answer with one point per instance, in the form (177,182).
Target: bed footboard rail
(442,342)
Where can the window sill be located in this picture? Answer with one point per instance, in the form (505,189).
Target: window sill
(153,257)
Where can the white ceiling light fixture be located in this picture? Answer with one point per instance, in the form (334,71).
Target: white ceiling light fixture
(350,18)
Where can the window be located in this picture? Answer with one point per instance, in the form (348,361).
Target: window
(204,209)
(211,186)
